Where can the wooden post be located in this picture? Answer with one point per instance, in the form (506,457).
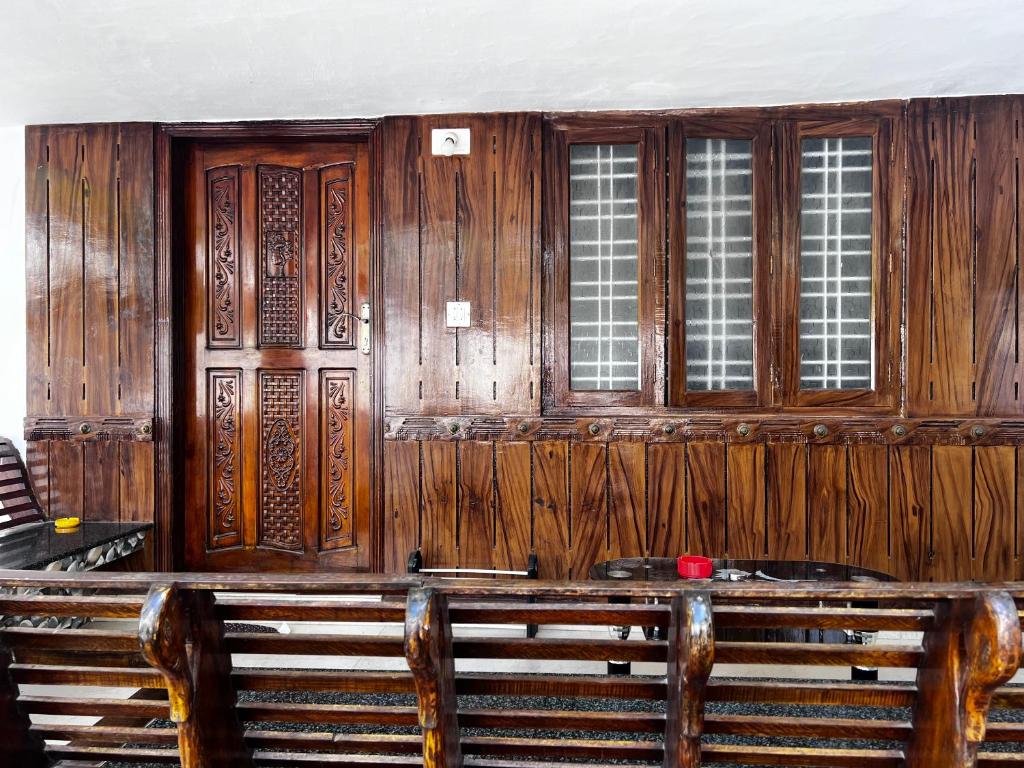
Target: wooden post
(428,650)
(21,747)
(974,648)
(691,654)
(202,696)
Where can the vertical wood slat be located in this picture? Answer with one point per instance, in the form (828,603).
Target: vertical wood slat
(438,506)
(910,510)
(66,268)
(101,492)
(517,249)
(401,502)
(868,503)
(588,497)
(951,514)
(995,233)
(826,503)
(787,501)
(137,481)
(476,504)
(551,508)
(37,279)
(512,508)
(627,500)
(746,500)
(995,510)
(939,255)
(400,260)
(706,521)
(666,488)
(67,478)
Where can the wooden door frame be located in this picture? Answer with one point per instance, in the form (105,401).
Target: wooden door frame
(169,138)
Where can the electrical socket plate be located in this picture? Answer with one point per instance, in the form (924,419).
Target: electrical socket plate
(457,313)
(438,135)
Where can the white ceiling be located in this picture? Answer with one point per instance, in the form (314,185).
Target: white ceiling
(82,60)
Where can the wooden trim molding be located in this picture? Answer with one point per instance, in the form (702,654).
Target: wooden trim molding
(731,428)
(137,428)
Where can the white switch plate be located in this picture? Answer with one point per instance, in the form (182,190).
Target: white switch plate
(460,135)
(457,313)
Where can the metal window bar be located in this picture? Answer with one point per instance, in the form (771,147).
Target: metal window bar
(719,264)
(604,349)
(836,329)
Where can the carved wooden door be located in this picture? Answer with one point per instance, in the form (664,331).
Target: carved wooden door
(276,382)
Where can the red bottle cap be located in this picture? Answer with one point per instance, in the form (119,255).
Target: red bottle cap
(694,567)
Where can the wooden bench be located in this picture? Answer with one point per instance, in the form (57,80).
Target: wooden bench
(462,685)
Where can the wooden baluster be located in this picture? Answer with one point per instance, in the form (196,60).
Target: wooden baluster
(691,654)
(202,696)
(21,748)
(974,648)
(428,650)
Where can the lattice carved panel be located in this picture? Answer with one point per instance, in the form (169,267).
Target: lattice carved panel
(281,460)
(280,216)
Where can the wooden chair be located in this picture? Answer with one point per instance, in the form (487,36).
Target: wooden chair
(18,502)
(189,661)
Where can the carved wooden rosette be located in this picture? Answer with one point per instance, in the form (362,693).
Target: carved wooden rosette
(223,228)
(224,463)
(336,307)
(336,493)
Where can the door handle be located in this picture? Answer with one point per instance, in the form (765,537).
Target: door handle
(364,328)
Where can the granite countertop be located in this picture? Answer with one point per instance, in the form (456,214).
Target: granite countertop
(37,547)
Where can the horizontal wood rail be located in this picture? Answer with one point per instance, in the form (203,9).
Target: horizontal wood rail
(235,696)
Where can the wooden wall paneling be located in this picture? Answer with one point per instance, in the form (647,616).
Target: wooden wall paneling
(996,124)
(939,255)
(868,502)
(137,480)
(400,226)
(517,270)
(66,270)
(995,513)
(476,504)
(826,503)
(101,491)
(588,498)
(37,462)
(952,512)
(910,510)
(627,500)
(787,500)
(100,270)
(37,283)
(513,523)
(401,502)
(438,529)
(67,478)
(666,499)
(136,276)
(745,495)
(706,499)
(1018,534)
(551,508)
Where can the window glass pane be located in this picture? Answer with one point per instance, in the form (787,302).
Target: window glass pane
(719,264)
(836,330)
(603,335)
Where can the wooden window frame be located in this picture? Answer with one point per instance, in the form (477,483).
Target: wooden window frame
(759,132)
(885,247)
(650,141)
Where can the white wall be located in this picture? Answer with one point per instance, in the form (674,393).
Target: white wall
(12,283)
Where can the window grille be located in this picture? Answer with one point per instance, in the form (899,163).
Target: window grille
(719,264)
(603,261)
(836,330)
